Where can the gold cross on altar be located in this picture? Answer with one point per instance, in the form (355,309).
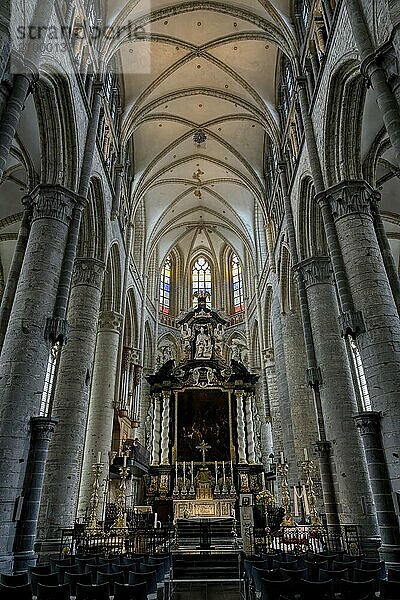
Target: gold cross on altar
(203,447)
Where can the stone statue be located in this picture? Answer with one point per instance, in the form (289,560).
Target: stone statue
(203,344)
(164,354)
(257,431)
(185,342)
(239,351)
(218,339)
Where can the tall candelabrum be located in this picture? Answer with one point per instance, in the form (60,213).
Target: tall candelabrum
(308,468)
(119,526)
(287,520)
(92,527)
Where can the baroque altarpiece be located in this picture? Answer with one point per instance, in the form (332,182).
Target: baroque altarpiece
(202,421)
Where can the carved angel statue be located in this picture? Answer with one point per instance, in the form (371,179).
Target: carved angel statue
(239,351)
(186,333)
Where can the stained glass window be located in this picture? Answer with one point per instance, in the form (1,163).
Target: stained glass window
(237,285)
(201,279)
(165,287)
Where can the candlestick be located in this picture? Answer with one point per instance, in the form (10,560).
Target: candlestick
(308,467)
(305,454)
(287,520)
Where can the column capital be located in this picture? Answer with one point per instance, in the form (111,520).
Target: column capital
(88,271)
(314,377)
(43,427)
(351,323)
(53,202)
(323,448)
(166,394)
(239,394)
(315,270)
(110,321)
(368,422)
(350,197)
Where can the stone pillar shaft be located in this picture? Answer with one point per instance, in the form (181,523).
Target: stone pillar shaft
(328,487)
(337,395)
(24,555)
(71,401)
(352,205)
(165,428)
(101,407)
(25,352)
(240,427)
(15,269)
(368,424)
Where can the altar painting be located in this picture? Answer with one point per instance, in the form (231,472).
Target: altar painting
(203,416)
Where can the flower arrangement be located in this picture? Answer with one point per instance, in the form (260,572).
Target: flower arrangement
(266,497)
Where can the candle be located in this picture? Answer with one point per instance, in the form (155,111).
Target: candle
(263,480)
(124,461)
(155,520)
(232,473)
(282,458)
(184,473)
(176,472)
(305,454)
(192,473)
(98,457)
(125,519)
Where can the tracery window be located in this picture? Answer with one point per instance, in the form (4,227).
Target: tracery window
(165,287)
(47,394)
(361,380)
(201,279)
(237,285)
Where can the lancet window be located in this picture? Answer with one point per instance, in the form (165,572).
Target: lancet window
(201,279)
(237,285)
(165,287)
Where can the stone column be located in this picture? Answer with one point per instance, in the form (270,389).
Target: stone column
(282,386)
(324,450)
(352,204)
(155,456)
(337,396)
(71,402)
(368,424)
(385,98)
(101,407)
(250,428)
(42,430)
(165,427)
(25,352)
(15,269)
(240,426)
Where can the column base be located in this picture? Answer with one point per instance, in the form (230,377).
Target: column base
(6,563)
(370,546)
(23,560)
(47,548)
(390,554)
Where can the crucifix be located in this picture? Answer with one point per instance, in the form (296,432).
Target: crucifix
(203,447)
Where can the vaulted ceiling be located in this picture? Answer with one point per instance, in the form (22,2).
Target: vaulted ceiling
(199,87)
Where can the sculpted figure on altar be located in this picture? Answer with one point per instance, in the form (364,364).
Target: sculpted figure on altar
(186,333)
(203,344)
(218,339)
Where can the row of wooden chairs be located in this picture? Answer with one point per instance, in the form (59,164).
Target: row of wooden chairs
(88,577)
